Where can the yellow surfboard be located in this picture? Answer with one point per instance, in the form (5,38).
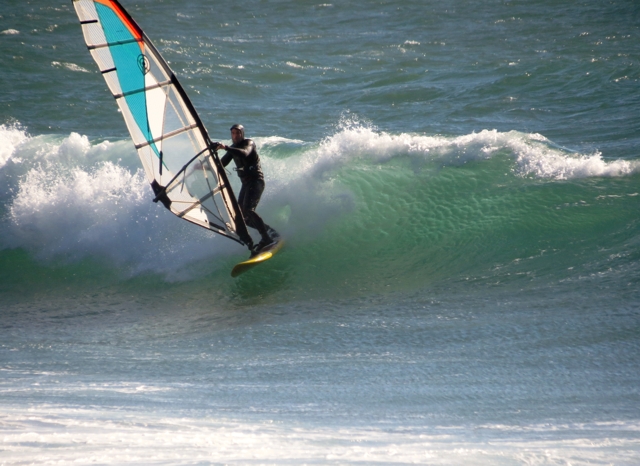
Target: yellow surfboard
(264,255)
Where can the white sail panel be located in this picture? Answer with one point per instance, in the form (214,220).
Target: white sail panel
(171,141)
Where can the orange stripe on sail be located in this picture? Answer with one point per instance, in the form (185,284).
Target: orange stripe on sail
(132,27)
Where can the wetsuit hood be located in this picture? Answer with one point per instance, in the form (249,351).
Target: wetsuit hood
(238,127)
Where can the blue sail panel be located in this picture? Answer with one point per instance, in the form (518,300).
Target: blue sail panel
(172,143)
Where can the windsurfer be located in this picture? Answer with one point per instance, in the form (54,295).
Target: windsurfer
(243,152)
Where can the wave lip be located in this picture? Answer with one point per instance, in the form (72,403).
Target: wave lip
(534,154)
(412,196)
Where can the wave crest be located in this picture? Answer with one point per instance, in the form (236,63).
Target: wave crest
(533,154)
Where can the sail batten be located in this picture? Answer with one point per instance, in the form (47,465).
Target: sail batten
(166,136)
(172,143)
(143,89)
(112,44)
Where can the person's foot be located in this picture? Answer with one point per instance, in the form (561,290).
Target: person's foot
(262,244)
(273,233)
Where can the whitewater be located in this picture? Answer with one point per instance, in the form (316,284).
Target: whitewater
(458,188)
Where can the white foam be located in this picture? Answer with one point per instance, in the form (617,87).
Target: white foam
(298,196)
(73,199)
(61,203)
(69,66)
(47,435)
(534,155)
(305,182)
(70,198)
(276,140)
(11,137)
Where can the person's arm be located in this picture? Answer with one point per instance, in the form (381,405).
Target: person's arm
(243,151)
(226,158)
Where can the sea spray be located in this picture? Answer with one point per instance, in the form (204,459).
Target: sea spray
(441,207)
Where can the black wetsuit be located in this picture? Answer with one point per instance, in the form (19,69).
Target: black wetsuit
(247,161)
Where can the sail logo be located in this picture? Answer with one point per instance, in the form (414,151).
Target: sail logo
(143,63)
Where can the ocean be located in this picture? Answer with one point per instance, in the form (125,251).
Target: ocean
(458,186)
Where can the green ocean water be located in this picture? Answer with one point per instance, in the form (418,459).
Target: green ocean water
(359,217)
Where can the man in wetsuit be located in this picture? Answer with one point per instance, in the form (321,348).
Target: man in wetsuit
(244,154)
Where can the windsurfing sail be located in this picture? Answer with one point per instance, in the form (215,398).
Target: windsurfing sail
(178,157)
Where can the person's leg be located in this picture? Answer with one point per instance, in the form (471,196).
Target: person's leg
(248,240)
(250,197)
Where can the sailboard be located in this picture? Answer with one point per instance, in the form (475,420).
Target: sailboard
(179,159)
(264,254)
